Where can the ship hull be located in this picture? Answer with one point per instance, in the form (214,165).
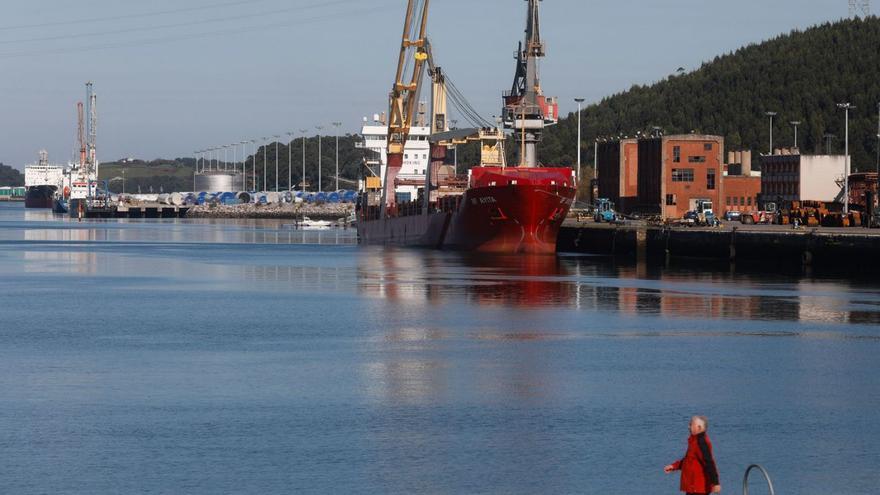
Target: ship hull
(39,197)
(505,217)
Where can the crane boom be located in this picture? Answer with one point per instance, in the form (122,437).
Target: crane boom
(405,91)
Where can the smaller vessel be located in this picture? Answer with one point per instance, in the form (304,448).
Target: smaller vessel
(42,181)
(308,223)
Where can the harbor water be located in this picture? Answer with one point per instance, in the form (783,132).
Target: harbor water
(233,356)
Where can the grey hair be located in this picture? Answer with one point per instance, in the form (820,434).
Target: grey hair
(702,419)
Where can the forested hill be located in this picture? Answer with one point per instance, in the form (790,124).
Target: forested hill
(10,176)
(801,75)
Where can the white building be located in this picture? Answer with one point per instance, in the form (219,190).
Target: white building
(796,177)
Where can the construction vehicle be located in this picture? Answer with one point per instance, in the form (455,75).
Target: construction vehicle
(604,211)
(765,216)
(702,214)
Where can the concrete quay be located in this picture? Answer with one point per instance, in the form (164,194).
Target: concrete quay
(825,247)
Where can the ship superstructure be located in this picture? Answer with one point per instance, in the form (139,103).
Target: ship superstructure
(42,180)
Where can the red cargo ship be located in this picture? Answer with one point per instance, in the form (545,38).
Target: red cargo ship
(503,210)
(500,209)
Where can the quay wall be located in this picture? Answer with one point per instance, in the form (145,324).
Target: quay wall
(837,248)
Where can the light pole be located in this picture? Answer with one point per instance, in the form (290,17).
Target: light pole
(243,165)
(320,185)
(578,173)
(265,160)
(771,115)
(234,147)
(123,175)
(795,123)
(303,185)
(225,156)
(846,108)
(878,148)
(596,158)
(276,161)
(336,125)
(290,161)
(254,171)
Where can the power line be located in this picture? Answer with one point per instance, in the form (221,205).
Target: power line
(129,16)
(179,24)
(207,34)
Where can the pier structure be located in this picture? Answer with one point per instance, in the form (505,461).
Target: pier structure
(825,247)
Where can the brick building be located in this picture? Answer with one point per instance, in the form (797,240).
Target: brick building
(741,185)
(662,175)
(618,172)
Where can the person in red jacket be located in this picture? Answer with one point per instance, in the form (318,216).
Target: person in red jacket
(699,475)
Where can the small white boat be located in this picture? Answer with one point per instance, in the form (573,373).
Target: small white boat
(308,223)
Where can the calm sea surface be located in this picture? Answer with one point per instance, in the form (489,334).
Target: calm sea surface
(169,356)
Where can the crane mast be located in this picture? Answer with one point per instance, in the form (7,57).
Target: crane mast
(405,93)
(92,125)
(80,135)
(526,110)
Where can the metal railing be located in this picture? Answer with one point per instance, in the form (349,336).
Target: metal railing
(766,477)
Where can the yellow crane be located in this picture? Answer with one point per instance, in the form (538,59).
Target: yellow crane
(403,100)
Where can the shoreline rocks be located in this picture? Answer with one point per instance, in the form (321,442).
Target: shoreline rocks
(285,211)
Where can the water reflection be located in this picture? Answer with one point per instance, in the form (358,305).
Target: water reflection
(597,284)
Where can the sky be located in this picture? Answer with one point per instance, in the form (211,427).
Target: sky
(173,77)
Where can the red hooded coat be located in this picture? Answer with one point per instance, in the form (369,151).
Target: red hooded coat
(698,471)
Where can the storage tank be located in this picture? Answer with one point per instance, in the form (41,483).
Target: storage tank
(218,181)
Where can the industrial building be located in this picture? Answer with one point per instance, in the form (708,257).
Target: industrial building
(664,175)
(741,186)
(787,175)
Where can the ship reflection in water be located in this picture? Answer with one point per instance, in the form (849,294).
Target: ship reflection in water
(600,284)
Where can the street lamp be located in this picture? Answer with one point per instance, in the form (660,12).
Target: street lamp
(303,185)
(795,123)
(254,171)
(265,161)
(846,108)
(289,161)
(336,125)
(578,173)
(276,161)
(243,165)
(225,156)
(234,147)
(320,185)
(771,115)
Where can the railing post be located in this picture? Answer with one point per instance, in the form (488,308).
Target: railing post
(766,477)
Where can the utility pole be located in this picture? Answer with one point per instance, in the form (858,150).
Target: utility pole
(578,173)
(846,108)
(795,123)
(336,125)
(303,186)
(771,115)
(276,161)
(320,185)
